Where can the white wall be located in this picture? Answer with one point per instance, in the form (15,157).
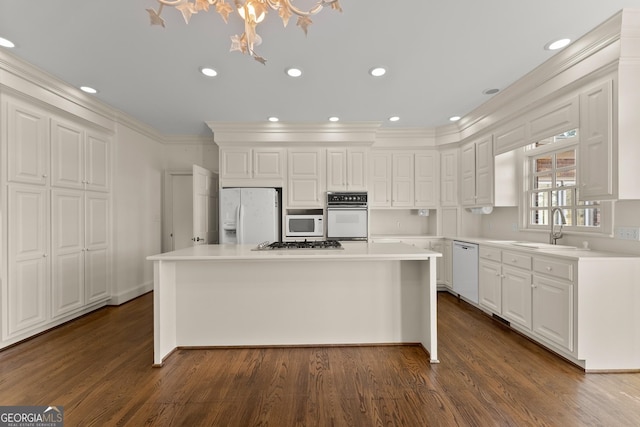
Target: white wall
(137,199)
(181,155)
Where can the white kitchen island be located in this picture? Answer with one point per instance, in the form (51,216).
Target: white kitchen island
(233,296)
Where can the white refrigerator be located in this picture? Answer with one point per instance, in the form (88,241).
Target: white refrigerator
(249,215)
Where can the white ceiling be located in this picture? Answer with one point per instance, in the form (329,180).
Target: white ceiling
(440,55)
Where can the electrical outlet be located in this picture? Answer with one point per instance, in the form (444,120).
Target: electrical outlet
(627,233)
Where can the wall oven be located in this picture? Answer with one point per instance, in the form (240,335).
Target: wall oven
(347,216)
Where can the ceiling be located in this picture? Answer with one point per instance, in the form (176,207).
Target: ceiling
(440,56)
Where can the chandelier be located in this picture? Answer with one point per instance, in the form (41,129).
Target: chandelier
(252,12)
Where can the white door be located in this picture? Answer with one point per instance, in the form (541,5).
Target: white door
(182,211)
(204,206)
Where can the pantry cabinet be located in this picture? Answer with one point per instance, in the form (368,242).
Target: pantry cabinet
(58,216)
(347,169)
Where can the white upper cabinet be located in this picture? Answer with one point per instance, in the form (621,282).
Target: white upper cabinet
(596,175)
(449,178)
(305,177)
(476,174)
(554,119)
(347,169)
(67,155)
(28,144)
(426,179)
(402,193)
(380,179)
(79,158)
(257,164)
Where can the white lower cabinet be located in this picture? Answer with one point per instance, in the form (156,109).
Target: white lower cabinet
(490,285)
(542,305)
(516,296)
(553,311)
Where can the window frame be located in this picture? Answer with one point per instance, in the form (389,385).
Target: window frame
(557,147)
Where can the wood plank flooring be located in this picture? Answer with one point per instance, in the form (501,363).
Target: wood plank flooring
(99,368)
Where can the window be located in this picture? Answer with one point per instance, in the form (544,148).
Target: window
(553,172)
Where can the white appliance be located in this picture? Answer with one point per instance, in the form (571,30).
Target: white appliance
(304,225)
(465,270)
(249,215)
(347,216)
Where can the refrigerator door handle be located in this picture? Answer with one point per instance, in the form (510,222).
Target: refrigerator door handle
(240,224)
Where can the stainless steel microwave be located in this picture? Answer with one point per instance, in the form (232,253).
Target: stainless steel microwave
(304,225)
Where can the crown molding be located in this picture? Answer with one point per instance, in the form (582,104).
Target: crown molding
(405,137)
(284,133)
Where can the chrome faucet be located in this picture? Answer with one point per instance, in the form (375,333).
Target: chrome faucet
(555,235)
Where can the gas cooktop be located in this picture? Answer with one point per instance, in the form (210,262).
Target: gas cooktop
(313,244)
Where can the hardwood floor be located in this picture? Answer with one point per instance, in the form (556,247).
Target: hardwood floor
(99,369)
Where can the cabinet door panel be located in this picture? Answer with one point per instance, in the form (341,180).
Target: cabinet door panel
(596,144)
(553,311)
(357,169)
(28,267)
(97,163)
(336,170)
(380,179)
(305,178)
(67,155)
(403,180)
(268,163)
(449,178)
(97,274)
(484,171)
(468,175)
(516,296)
(489,286)
(426,172)
(67,244)
(236,163)
(28,142)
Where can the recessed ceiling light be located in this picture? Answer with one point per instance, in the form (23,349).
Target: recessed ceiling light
(454,118)
(293,72)
(377,71)
(490,91)
(6,43)
(394,119)
(88,89)
(209,72)
(273,119)
(557,44)
(334,119)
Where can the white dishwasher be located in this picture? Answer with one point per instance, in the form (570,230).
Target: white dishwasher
(465,270)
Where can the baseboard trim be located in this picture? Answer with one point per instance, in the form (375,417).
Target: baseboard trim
(129,294)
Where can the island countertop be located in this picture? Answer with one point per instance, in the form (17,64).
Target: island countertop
(350,251)
(234,295)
